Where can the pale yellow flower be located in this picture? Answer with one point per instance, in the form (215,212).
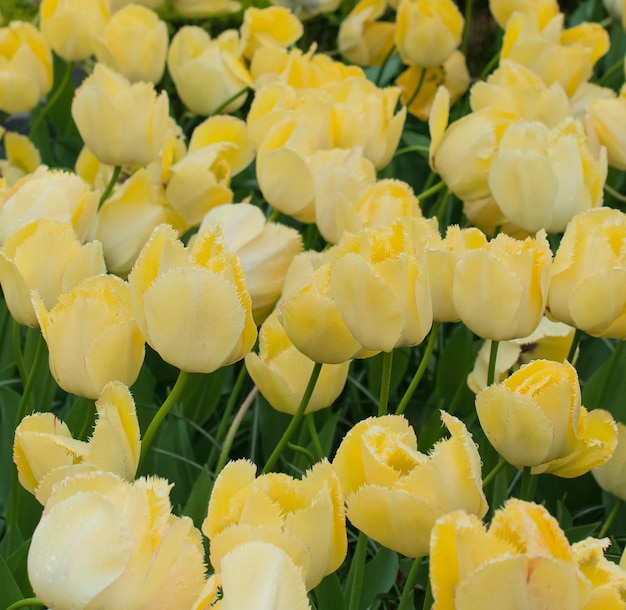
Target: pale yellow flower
(196,9)
(22,157)
(611,476)
(394,493)
(503,9)
(271,26)
(607,120)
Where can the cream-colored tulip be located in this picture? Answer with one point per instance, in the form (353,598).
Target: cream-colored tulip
(197,9)
(503,9)
(104,542)
(51,194)
(611,475)
(127,218)
(304,517)
(208,72)
(428,31)
(192,304)
(25,67)
(588,285)
(92,336)
(541,177)
(22,157)
(69,25)
(134,43)
(273,26)
(535,418)
(363,40)
(46,256)
(394,493)
(282,373)
(265,250)
(45,452)
(607,119)
(500,290)
(121,123)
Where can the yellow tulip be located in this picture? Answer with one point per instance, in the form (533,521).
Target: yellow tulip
(363,40)
(274,25)
(92,336)
(607,119)
(127,218)
(51,194)
(503,9)
(358,102)
(45,452)
(304,517)
(535,418)
(282,373)
(394,493)
(588,285)
(500,289)
(25,67)
(428,31)
(47,256)
(69,25)
(134,43)
(207,72)
(549,341)
(22,157)
(120,122)
(265,250)
(115,544)
(522,561)
(195,9)
(541,177)
(611,476)
(192,304)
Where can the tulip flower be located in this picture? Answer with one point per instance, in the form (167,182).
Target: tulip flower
(534,418)
(503,9)
(273,26)
(192,305)
(282,373)
(304,517)
(51,194)
(92,336)
(114,544)
(69,25)
(611,475)
(120,122)
(428,31)
(591,297)
(195,9)
(522,561)
(607,119)
(394,493)
(134,43)
(207,72)
(46,256)
(45,452)
(265,250)
(25,67)
(500,290)
(22,157)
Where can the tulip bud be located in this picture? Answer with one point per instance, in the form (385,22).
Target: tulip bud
(503,9)
(271,26)
(611,475)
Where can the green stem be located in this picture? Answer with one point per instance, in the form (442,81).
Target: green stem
(428,597)
(358,561)
(469,5)
(229,101)
(315,439)
(420,82)
(421,369)
(529,484)
(52,100)
(183,376)
(574,346)
(295,420)
(17,350)
(406,601)
(302,450)
(616,194)
(232,431)
(432,190)
(493,356)
(274,215)
(611,70)
(410,149)
(494,472)
(491,64)
(610,518)
(25,603)
(385,383)
(23,410)
(389,55)
(109,188)
(615,358)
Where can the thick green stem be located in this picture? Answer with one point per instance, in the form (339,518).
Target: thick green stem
(529,484)
(610,518)
(421,369)
(494,472)
(109,188)
(469,5)
(183,376)
(295,420)
(432,190)
(358,561)
(574,346)
(52,100)
(385,383)
(232,431)
(315,439)
(493,357)
(406,601)
(428,597)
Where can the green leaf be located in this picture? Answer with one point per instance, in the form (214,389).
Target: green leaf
(606,388)
(380,575)
(329,594)
(9,590)
(17,563)
(198,501)
(203,393)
